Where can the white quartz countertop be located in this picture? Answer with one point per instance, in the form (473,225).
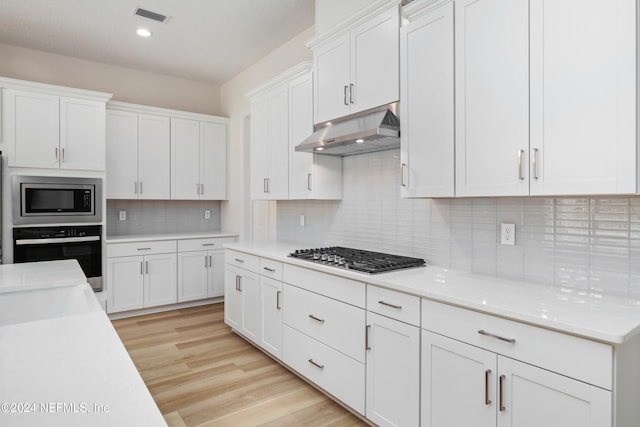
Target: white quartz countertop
(599,317)
(36,275)
(127,238)
(61,361)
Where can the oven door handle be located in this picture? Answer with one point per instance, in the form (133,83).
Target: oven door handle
(21,242)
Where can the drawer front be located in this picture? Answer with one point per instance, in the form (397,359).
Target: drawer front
(190,245)
(339,325)
(242,260)
(396,305)
(140,248)
(346,290)
(271,268)
(578,358)
(336,373)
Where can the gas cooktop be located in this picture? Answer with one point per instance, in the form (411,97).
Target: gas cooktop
(357,259)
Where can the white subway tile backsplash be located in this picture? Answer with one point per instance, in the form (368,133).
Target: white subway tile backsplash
(578,244)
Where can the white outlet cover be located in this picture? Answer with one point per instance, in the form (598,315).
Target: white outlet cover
(207,214)
(122,215)
(302,220)
(508,233)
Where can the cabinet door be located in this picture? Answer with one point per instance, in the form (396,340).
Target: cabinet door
(260,164)
(82,134)
(250,293)
(125,283)
(32,128)
(193,268)
(154,152)
(375,70)
(492,97)
(427,110)
(271,316)
(331,70)
(160,285)
(393,372)
(300,127)
(122,154)
(458,383)
(185,159)
(232,297)
(213,161)
(278,155)
(215,286)
(583,97)
(534,397)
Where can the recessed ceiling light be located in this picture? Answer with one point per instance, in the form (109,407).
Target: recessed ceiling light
(319,149)
(359,141)
(143,32)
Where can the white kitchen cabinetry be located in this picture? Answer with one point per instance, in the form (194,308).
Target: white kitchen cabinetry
(46,129)
(356,65)
(242,294)
(198,159)
(201,268)
(484,371)
(427,103)
(393,358)
(141,275)
(271,306)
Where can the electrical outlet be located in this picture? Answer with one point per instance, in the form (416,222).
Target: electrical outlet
(508,234)
(302,220)
(122,215)
(207,214)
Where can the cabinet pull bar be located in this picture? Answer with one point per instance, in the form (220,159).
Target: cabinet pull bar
(366,338)
(202,189)
(403,166)
(146,267)
(270,270)
(210,262)
(309,182)
(278,304)
(143,249)
(141,267)
(205,262)
(208,244)
(237,286)
(140,187)
(345,95)
(534,162)
(351,87)
(316,364)
(502,408)
(520,167)
(135,184)
(62,155)
(488,334)
(198,189)
(56,153)
(317,319)
(487,401)
(239,260)
(399,307)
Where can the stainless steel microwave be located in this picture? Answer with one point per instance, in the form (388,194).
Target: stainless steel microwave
(56,200)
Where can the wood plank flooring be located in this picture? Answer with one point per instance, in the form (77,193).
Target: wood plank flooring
(202,374)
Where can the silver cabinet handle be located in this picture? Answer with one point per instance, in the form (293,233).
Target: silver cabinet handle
(345,95)
(488,334)
(309,182)
(520,168)
(487,401)
(62,155)
(143,249)
(205,262)
(22,242)
(210,262)
(56,153)
(403,166)
(202,189)
(270,270)
(502,408)
(317,319)
(146,267)
(534,162)
(366,338)
(351,87)
(238,283)
(278,303)
(239,260)
(135,186)
(316,364)
(198,189)
(140,187)
(397,307)
(141,267)
(208,244)
(265,185)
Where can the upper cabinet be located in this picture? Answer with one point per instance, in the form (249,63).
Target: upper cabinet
(159,154)
(53,127)
(281,118)
(356,62)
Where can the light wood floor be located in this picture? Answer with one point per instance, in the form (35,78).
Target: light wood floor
(202,374)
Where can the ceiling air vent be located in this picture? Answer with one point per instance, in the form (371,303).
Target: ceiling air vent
(150,15)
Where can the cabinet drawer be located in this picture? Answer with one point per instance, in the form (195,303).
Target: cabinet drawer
(271,268)
(578,358)
(190,245)
(242,260)
(399,306)
(339,325)
(346,290)
(140,248)
(336,373)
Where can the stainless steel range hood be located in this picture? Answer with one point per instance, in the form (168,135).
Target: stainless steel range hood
(372,130)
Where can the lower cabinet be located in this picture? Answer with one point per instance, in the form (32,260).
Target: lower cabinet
(242,302)
(200,275)
(271,316)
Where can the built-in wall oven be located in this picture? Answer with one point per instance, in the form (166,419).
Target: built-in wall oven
(51,243)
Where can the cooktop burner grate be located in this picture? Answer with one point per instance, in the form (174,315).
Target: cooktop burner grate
(357,259)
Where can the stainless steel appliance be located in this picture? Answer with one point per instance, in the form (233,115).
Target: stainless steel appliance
(357,259)
(56,200)
(80,242)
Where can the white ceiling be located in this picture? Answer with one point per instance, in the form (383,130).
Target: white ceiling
(203,40)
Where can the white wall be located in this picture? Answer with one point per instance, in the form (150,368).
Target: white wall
(331,12)
(126,84)
(236,212)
